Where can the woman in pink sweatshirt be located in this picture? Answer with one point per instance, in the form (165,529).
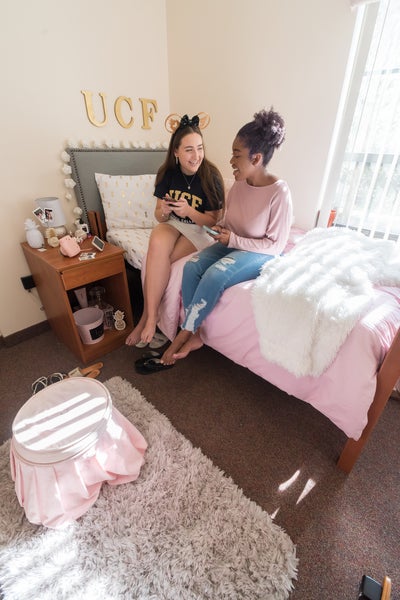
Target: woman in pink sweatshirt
(255,228)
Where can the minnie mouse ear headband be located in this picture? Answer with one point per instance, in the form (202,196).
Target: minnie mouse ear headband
(174,122)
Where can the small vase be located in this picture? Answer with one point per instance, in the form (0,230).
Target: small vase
(35,238)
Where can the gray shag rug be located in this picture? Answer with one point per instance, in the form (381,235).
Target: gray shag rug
(182,531)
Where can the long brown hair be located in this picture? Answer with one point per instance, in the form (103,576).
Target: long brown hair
(210,177)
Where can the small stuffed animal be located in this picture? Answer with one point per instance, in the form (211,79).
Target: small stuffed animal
(81,229)
(53,241)
(80,235)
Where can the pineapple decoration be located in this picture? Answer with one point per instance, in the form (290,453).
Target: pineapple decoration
(34,236)
(119,320)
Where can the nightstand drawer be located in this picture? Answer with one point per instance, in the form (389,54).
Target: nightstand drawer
(78,277)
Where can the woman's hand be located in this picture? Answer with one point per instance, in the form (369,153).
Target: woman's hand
(166,208)
(180,207)
(223,235)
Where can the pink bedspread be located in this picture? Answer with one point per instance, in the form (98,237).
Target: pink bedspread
(343,393)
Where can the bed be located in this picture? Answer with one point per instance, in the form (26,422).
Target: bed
(352,391)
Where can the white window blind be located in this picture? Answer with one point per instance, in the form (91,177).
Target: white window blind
(367,191)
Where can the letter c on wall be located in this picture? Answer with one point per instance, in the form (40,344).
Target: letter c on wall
(118,113)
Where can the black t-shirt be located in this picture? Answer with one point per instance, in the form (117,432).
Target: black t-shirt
(177,187)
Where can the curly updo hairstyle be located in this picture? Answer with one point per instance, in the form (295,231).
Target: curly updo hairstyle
(264,134)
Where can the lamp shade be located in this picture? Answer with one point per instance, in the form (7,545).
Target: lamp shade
(54,214)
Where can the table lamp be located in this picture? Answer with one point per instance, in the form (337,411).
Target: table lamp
(52,215)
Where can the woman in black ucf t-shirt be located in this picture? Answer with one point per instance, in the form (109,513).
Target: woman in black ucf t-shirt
(190,193)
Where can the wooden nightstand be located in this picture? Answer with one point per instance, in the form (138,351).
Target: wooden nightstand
(56,276)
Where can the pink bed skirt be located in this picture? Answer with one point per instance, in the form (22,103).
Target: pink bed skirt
(56,492)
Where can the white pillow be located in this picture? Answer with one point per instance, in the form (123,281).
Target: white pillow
(128,200)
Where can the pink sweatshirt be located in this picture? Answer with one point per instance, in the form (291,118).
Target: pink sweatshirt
(259,218)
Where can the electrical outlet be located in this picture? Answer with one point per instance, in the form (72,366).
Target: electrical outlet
(28,282)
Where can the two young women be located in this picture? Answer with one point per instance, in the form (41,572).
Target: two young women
(253,229)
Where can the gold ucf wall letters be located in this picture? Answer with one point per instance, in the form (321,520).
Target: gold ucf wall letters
(149,108)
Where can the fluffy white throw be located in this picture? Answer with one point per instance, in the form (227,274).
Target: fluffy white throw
(306,302)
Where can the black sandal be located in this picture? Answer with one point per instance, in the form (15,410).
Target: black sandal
(145,357)
(152,365)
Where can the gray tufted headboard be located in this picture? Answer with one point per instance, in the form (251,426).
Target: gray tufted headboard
(85,162)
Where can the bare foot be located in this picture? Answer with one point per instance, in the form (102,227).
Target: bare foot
(194,343)
(134,336)
(148,331)
(184,343)
(176,345)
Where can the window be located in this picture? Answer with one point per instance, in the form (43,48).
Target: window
(363,187)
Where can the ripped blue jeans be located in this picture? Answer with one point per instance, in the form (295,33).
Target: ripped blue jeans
(209,273)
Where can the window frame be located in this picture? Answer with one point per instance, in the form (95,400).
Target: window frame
(361,42)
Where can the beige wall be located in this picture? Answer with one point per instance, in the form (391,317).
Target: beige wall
(232,57)
(50,51)
(226,57)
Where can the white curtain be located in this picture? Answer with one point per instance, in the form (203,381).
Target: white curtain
(354,3)
(367,195)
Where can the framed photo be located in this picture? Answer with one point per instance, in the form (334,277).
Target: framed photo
(98,243)
(48,213)
(40,215)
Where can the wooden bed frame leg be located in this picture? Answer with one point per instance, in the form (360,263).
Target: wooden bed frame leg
(386,379)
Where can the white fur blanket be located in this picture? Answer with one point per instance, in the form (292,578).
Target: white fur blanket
(306,302)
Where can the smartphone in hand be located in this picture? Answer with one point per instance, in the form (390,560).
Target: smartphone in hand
(170,202)
(210,231)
